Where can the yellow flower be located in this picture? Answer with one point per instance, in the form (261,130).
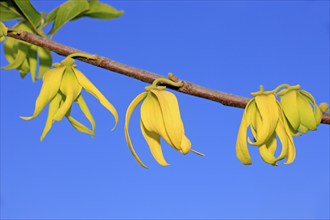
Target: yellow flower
(264,116)
(300,109)
(160,117)
(61,87)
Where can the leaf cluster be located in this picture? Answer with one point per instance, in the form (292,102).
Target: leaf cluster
(25,57)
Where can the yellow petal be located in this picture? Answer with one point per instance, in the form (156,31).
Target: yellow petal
(84,108)
(272,144)
(291,152)
(267,106)
(266,155)
(129,112)
(302,129)
(50,86)
(151,117)
(324,107)
(70,88)
(306,112)
(185,145)
(53,107)
(284,139)
(242,151)
(89,87)
(290,108)
(317,114)
(79,126)
(153,140)
(253,118)
(171,116)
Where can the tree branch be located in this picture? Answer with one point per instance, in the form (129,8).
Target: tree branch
(143,75)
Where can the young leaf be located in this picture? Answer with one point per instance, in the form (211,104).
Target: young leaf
(51,16)
(68,11)
(29,12)
(101,11)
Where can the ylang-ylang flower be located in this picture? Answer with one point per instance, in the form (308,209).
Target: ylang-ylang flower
(264,116)
(300,109)
(160,117)
(61,87)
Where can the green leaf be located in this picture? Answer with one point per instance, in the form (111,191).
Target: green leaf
(8,11)
(29,12)
(68,11)
(101,11)
(51,16)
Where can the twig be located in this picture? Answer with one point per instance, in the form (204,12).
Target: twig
(143,75)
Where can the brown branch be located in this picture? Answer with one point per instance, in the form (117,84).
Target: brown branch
(143,75)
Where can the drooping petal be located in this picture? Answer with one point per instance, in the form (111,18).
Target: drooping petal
(129,112)
(290,108)
(84,108)
(89,87)
(267,106)
(306,112)
(291,152)
(171,116)
(272,144)
(267,155)
(79,126)
(253,119)
(70,88)
(153,140)
(50,86)
(53,107)
(242,151)
(185,145)
(151,117)
(284,139)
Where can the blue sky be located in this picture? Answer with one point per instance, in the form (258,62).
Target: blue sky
(232,46)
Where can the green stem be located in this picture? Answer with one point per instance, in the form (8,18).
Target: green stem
(281,87)
(84,55)
(167,81)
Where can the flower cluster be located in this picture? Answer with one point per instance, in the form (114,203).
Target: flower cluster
(62,86)
(271,121)
(160,117)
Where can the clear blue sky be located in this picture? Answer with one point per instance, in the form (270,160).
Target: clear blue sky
(232,46)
